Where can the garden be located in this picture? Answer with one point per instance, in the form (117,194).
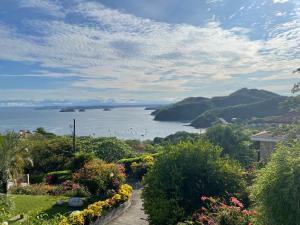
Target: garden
(208,179)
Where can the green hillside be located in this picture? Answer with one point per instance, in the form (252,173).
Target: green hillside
(243,104)
(244,111)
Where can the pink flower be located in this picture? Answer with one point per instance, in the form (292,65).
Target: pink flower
(236,202)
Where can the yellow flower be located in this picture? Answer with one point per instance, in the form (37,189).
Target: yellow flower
(76,218)
(148,159)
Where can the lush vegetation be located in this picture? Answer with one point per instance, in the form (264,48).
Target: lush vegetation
(188,178)
(276,191)
(234,143)
(182,174)
(242,104)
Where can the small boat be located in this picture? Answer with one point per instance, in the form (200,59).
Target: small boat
(107,109)
(81,110)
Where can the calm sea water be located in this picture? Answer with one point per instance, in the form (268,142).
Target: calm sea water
(125,123)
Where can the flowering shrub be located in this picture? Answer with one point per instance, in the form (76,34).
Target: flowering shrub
(99,177)
(58,177)
(34,189)
(71,189)
(139,169)
(67,188)
(93,211)
(216,212)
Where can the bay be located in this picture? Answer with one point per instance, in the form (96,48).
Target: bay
(124,123)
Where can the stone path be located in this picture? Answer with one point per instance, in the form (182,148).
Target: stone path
(134,215)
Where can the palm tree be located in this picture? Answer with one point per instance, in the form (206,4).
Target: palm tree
(12,158)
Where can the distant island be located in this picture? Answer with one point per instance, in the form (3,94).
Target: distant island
(81,108)
(243,104)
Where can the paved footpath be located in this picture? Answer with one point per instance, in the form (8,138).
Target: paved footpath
(134,215)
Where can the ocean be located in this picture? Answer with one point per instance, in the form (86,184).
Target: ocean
(124,123)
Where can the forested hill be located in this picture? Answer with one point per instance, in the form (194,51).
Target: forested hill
(242,104)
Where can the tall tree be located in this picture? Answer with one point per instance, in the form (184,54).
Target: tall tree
(11,158)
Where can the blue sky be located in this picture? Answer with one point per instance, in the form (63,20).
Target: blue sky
(146,51)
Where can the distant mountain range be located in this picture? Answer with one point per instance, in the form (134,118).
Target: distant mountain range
(243,104)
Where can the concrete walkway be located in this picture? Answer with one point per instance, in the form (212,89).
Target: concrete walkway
(134,215)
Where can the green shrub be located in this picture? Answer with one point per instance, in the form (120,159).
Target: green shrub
(58,177)
(50,155)
(183,174)
(276,191)
(37,178)
(80,159)
(107,149)
(235,143)
(128,162)
(100,177)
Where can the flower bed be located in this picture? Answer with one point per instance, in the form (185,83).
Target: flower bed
(95,210)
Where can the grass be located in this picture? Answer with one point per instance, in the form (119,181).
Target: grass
(42,204)
(28,204)
(35,204)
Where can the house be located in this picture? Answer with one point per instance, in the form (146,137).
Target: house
(267,143)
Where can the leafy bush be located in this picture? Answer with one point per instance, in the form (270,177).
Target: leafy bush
(100,177)
(176,138)
(80,159)
(141,168)
(50,155)
(37,178)
(183,174)
(276,191)
(234,143)
(58,177)
(107,149)
(128,162)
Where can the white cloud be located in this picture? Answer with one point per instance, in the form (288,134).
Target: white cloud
(52,7)
(141,55)
(280,1)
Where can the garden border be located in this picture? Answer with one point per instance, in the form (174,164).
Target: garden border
(113,214)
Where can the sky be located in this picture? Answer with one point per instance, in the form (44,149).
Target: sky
(145,50)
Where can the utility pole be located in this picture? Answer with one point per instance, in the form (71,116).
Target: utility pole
(74,135)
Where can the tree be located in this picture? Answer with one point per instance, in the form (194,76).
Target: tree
(276,191)
(51,154)
(107,149)
(12,158)
(41,131)
(234,143)
(184,173)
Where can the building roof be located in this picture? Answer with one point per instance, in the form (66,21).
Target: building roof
(267,136)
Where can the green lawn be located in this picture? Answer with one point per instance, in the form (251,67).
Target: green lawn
(28,204)
(32,204)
